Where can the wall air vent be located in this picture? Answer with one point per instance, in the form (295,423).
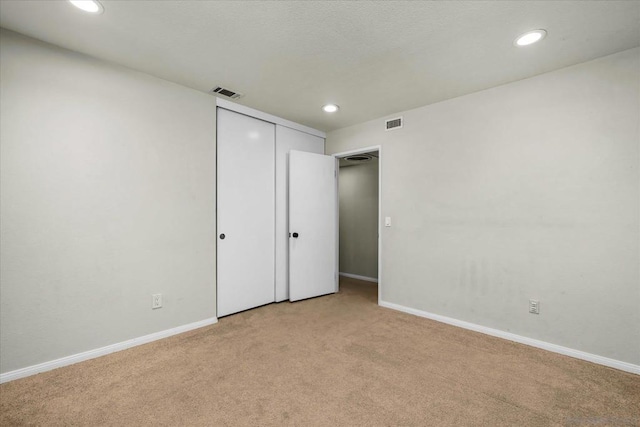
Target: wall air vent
(218,90)
(392,124)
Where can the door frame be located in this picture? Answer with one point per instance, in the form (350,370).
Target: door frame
(338,156)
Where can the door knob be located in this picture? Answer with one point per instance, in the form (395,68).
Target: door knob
(295,235)
(222,236)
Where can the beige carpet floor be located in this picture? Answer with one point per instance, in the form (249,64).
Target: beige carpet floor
(334,360)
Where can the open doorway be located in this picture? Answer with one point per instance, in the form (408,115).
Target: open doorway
(359,212)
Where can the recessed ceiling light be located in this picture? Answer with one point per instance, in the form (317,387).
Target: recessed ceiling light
(91,6)
(530,37)
(330,108)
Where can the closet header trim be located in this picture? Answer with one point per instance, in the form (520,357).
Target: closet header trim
(228,105)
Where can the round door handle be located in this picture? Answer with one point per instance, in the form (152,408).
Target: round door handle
(222,236)
(295,235)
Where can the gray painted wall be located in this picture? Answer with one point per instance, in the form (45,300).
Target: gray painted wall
(358,194)
(528,190)
(107,196)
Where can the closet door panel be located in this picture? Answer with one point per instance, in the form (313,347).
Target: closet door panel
(287,139)
(245,212)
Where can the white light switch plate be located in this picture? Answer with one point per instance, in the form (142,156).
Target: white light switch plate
(387,221)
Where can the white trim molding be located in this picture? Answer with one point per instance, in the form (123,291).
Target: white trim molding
(600,360)
(102,351)
(356,276)
(247,111)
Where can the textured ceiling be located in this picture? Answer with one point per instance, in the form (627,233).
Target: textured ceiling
(371,58)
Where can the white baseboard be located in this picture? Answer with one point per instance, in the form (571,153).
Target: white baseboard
(601,360)
(355,276)
(102,351)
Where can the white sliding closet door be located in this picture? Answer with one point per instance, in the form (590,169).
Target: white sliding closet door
(287,139)
(245,212)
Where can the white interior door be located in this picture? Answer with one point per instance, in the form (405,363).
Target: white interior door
(287,139)
(245,212)
(313,225)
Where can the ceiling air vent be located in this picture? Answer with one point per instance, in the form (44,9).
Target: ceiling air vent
(359,158)
(392,124)
(218,90)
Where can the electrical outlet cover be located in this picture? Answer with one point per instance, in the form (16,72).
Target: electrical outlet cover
(534,306)
(156,301)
